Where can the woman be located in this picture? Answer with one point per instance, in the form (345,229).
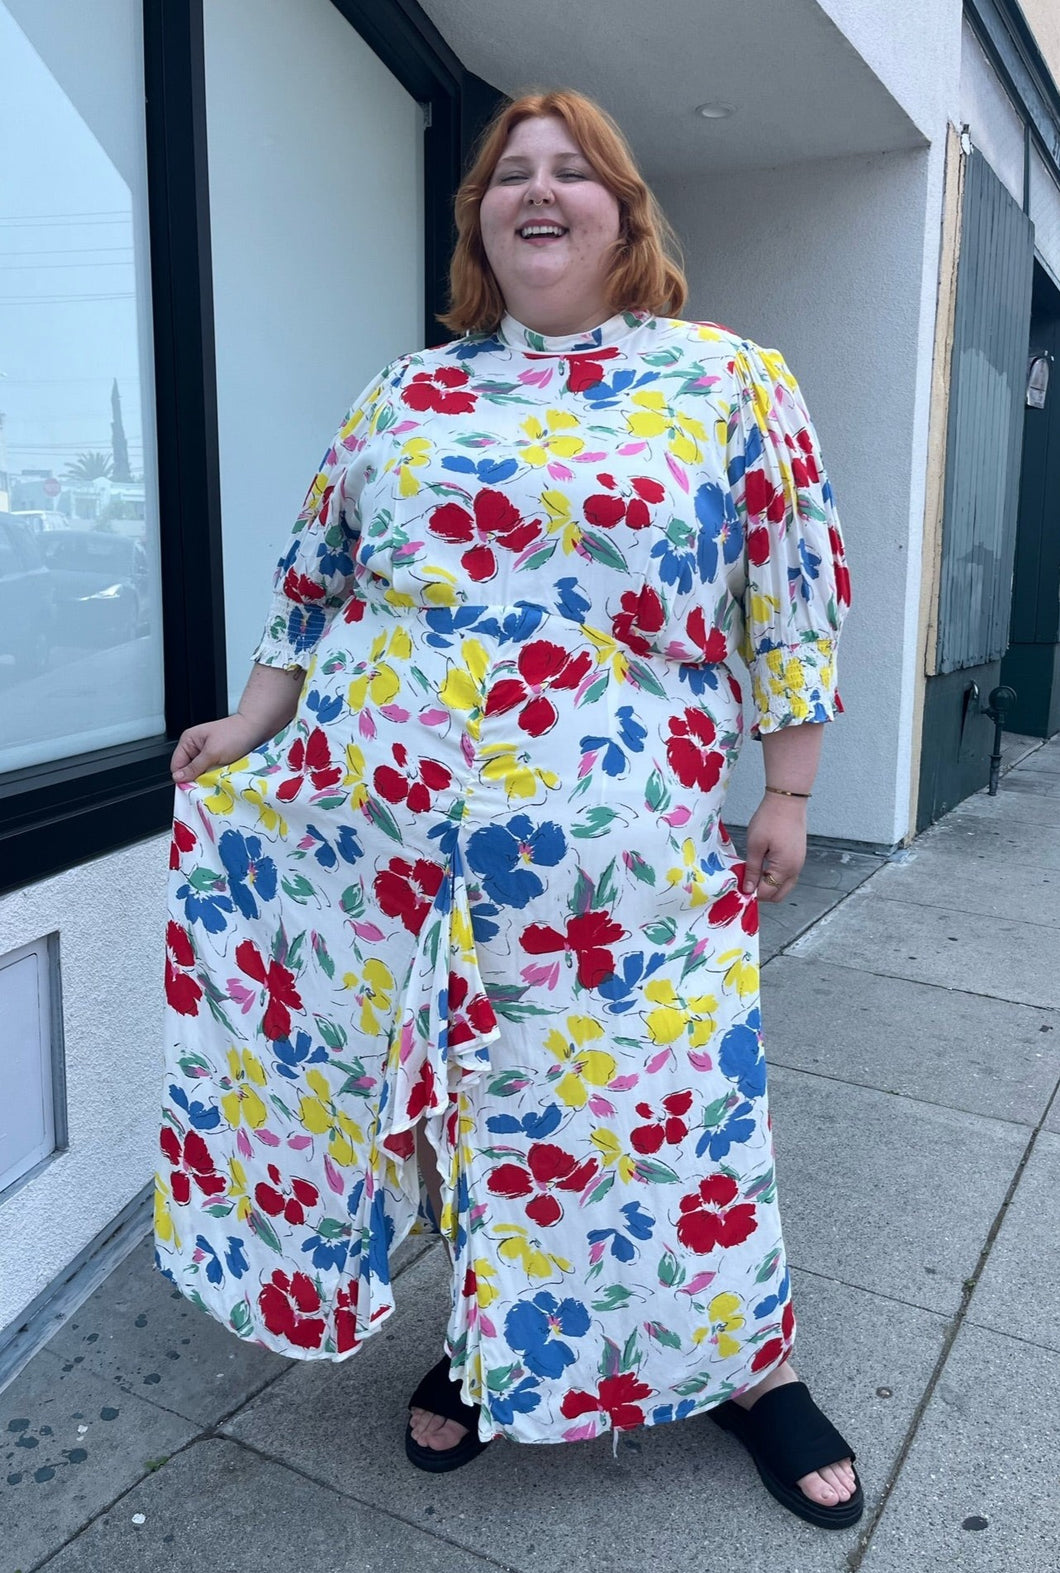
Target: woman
(462,890)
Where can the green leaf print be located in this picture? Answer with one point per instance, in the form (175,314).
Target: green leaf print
(334,1229)
(639,869)
(499,1379)
(662,1335)
(661,357)
(536,342)
(600,1190)
(240,1319)
(630,1352)
(610,1358)
(692,1387)
(596,823)
(607,889)
(660,933)
(352,900)
(601,550)
(323,955)
(768,1267)
(508,1084)
(205,879)
(294,954)
(670,1271)
(613,1298)
(596,690)
(381,816)
(582,897)
(539,556)
(657,793)
(261,1226)
(715,1112)
(333,1035)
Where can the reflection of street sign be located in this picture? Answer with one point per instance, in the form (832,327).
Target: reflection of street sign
(51,487)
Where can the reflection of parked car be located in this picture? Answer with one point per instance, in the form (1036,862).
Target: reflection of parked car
(27,598)
(40,519)
(101,586)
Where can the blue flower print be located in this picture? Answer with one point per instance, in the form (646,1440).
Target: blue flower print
(521,1399)
(304,627)
(630,733)
(489,472)
(739,1126)
(206,908)
(293,1054)
(742,1061)
(516,627)
(639,1224)
(620,989)
(250,872)
(742,462)
(698,678)
(326,710)
(676,565)
(235,1259)
(446,623)
(536,1125)
(667,1412)
(325,1252)
(346,846)
(718,525)
(572,601)
(811,564)
(199,1115)
(529,1328)
(773,1302)
(500,855)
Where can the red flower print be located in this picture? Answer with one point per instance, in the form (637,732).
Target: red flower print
(182,991)
(346,1317)
(467,1017)
(278,982)
(692,758)
(606,509)
(300,589)
(804,464)
(708,1217)
(842,572)
(772,1351)
(734,904)
(309,757)
(190,1162)
(586,370)
(541,665)
(549,1169)
(641,616)
(444,391)
(407,890)
(276,1199)
(617,1396)
(495,523)
(758,545)
(287,1305)
(668,1126)
(410,786)
(711,641)
(184,840)
(762,497)
(588,937)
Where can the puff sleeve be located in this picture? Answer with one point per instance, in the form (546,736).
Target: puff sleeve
(790,579)
(315,577)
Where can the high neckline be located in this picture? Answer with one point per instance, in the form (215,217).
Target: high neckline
(611,332)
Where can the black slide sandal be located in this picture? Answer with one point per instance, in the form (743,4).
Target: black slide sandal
(441,1396)
(788,1436)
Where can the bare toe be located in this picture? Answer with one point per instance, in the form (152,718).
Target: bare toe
(818,1489)
(435,1431)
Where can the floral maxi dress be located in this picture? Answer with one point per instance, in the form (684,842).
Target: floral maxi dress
(481,879)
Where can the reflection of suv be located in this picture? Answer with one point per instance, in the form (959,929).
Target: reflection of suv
(100,582)
(27,598)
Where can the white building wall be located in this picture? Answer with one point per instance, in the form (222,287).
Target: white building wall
(110,918)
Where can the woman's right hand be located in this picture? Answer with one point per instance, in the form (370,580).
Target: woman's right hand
(212,743)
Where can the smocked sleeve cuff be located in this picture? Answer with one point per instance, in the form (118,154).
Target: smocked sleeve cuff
(793,684)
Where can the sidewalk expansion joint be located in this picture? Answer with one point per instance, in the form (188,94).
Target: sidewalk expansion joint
(908,1097)
(857,1556)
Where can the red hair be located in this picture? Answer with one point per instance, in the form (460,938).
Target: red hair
(645,273)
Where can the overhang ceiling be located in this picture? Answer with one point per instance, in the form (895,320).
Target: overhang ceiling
(799,89)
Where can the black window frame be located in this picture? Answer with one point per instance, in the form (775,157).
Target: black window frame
(64,813)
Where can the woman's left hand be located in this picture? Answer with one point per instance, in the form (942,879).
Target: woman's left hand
(776,847)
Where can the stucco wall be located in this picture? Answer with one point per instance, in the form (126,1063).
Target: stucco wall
(110,917)
(834,263)
(1043,17)
(913,46)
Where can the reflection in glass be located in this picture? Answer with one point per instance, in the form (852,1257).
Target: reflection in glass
(80,617)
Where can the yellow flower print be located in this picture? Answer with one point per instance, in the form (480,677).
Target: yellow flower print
(320,1115)
(608,652)
(547,441)
(674,1017)
(376,678)
(611,1152)
(585,1068)
(238,1191)
(440,588)
(725,1318)
(522,781)
(653,417)
(242,1102)
(691,876)
(517,1246)
(486,1290)
(413,455)
(740,974)
(165,1228)
(373,991)
(560,522)
(221,798)
(465,684)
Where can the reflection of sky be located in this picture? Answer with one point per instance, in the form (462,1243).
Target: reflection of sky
(67,306)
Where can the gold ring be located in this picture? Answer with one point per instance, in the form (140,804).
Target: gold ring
(771,879)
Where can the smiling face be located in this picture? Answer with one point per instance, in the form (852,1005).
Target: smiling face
(548,228)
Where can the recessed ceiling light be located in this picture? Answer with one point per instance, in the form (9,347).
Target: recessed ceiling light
(715,111)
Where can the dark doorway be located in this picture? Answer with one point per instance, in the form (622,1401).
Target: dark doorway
(1032,662)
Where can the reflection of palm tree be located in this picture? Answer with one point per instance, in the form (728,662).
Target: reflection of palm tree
(89,467)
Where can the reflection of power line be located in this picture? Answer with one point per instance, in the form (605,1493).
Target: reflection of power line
(56,300)
(91,215)
(60,251)
(129,376)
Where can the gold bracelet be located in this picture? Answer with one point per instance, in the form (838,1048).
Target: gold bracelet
(781,792)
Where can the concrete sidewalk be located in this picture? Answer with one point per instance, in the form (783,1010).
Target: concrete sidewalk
(912,1013)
